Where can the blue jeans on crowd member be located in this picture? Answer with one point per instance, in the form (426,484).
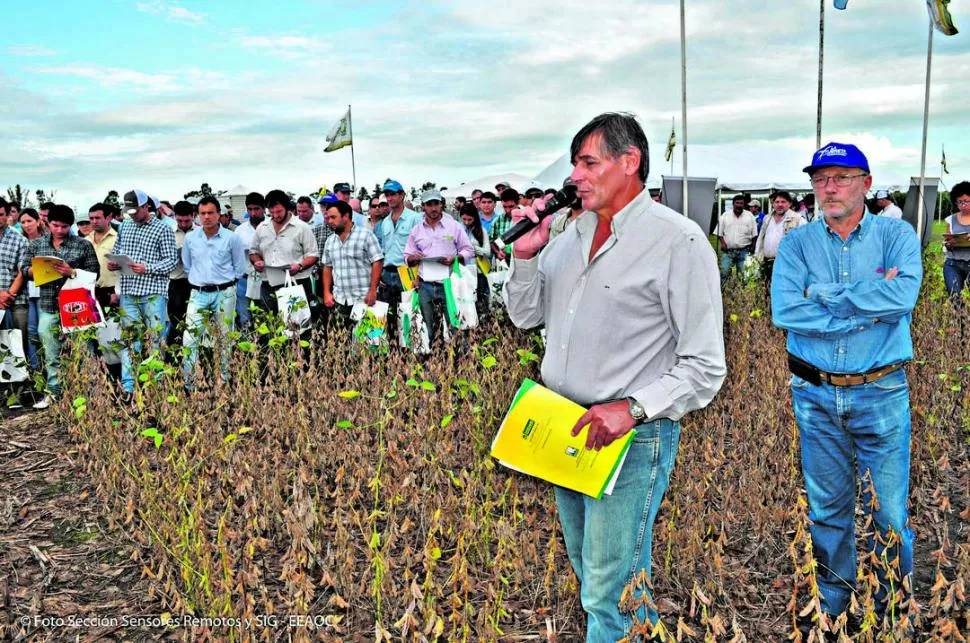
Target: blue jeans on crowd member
(611,539)
(207,310)
(49,329)
(733,258)
(33,335)
(243,315)
(955,275)
(847,431)
(148,314)
(431,295)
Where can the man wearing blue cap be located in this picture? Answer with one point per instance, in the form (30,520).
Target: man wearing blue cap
(392,233)
(844,288)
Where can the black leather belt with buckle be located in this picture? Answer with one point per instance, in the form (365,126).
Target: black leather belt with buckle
(215,287)
(813,375)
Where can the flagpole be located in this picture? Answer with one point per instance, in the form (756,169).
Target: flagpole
(353,164)
(672,151)
(926,124)
(939,189)
(683,96)
(821,58)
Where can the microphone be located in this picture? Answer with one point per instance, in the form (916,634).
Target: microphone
(560,199)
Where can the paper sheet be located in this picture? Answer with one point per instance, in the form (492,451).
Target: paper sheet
(124,263)
(433,270)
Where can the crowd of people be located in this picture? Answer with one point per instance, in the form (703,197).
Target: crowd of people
(627,290)
(186,266)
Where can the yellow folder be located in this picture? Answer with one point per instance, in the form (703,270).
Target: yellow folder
(534,438)
(44,272)
(408,276)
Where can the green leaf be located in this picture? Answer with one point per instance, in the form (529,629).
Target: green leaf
(436,553)
(428,386)
(229,439)
(489,361)
(391,394)
(158,441)
(79,401)
(411,382)
(734,317)
(262,329)
(247,347)
(304,343)
(349,395)
(150,432)
(490,340)
(446,420)
(172,399)
(345,424)
(375,541)
(245,429)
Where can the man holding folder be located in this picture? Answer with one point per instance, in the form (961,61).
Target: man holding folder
(630,298)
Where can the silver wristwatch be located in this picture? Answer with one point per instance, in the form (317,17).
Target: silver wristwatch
(636,410)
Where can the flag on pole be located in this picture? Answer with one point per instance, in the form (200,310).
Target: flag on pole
(940,16)
(671,145)
(339,135)
(841,4)
(946,170)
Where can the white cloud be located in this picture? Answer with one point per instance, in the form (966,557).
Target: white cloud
(287,47)
(30,51)
(171,12)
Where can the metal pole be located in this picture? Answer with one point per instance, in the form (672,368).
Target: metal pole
(672,151)
(821,66)
(683,96)
(353,164)
(926,124)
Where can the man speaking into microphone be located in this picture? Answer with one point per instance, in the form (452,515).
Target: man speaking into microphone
(631,301)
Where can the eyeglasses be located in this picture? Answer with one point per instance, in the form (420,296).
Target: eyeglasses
(840,180)
(963,202)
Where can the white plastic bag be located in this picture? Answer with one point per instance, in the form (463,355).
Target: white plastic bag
(371,330)
(412,329)
(109,339)
(294,307)
(496,282)
(460,293)
(13,366)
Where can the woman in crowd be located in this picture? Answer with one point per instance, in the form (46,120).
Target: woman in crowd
(956,268)
(476,234)
(33,228)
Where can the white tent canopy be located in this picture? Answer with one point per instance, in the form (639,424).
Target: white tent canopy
(487,184)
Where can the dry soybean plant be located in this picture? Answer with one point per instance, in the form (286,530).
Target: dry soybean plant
(351,494)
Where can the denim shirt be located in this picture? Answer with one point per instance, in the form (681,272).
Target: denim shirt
(393,237)
(832,297)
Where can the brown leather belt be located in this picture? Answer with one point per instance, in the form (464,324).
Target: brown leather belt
(798,367)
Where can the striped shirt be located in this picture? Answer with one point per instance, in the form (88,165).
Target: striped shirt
(76,251)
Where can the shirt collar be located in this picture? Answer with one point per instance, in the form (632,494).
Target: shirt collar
(859,230)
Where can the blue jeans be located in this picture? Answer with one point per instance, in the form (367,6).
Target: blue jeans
(733,258)
(610,540)
(205,310)
(432,298)
(242,303)
(148,315)
(49,329)
(33,335)
(845,432)
(955,275)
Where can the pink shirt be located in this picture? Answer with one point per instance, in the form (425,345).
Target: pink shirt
(446,239)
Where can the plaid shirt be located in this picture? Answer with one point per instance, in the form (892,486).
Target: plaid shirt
(321,232)
(13,249)
(500,226)
(351,262)
(152,244)
(76,251)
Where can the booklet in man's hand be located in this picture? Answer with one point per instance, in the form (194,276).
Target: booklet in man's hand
(534,438)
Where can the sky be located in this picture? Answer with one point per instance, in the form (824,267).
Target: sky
(164,95)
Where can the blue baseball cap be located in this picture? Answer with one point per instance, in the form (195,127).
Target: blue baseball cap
(838,155)
(329,197)
(392,186)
